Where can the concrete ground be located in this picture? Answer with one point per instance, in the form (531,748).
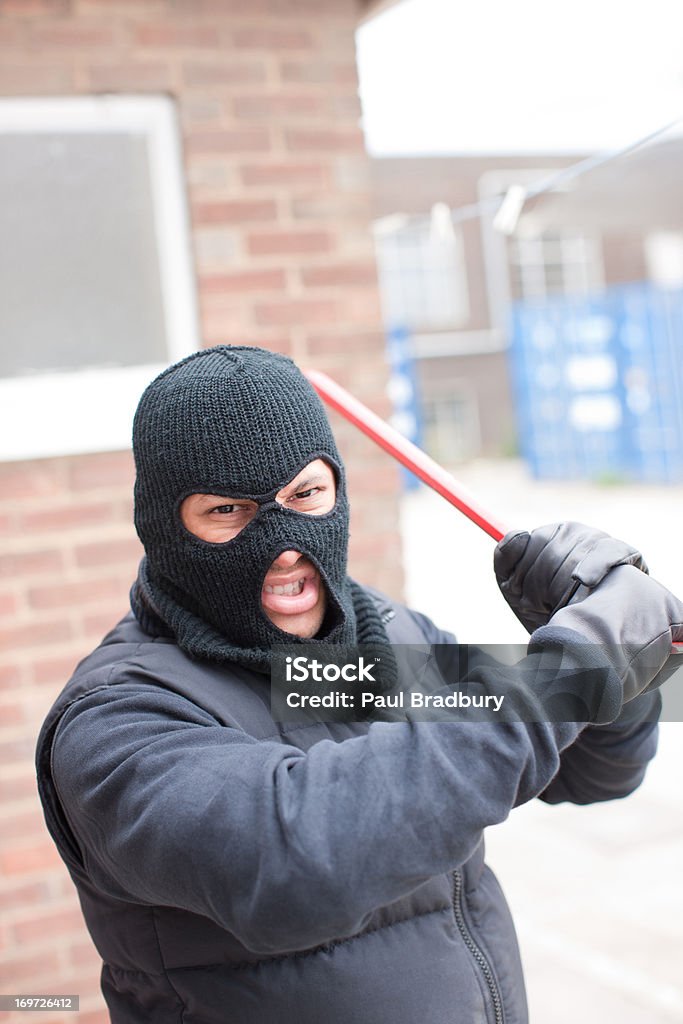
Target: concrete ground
(595,891)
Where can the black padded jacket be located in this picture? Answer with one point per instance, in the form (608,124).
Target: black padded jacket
(233,870)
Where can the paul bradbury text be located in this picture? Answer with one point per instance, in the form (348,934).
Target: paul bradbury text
(336,699)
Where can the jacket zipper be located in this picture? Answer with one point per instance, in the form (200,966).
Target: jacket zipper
(475,949)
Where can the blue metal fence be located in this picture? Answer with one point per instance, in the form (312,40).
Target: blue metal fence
(599,384)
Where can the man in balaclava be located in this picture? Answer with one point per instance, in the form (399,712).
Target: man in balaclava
(239,423)
(231,867)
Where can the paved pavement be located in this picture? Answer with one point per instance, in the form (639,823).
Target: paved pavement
(596,891)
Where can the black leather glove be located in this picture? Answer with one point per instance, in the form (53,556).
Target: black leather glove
(544,570)
(633,618)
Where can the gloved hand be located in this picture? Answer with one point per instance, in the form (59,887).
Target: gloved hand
(544,570)
(632,618)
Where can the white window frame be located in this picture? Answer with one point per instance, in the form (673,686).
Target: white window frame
(91,410)
(528,255)
(387,229)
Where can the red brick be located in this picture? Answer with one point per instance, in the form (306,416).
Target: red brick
(16,751)
(69,34)
(381,474)
(83,954)
(10,35)
(29,480)
(283,175)
(127,7)
(296,312)
(219,8)
(272,39)
(329,7)
(244,281)
(200,110)
(373,548)
(8,603)
(21,825)
(320,72)
(23,967)
(130,76)
(70,594)
(234,212)
(27,563)
(177,36)
(94,1017)
(36,633)
(34,8)
(266,339)
(97,626)
(55,671)
(207,173)
(117,552)
(216,248)
(344,108)
(362,306)
(23,895)
(11,713)
(325,140)
(34,79)
(278,242)
(18,785)
(73,516)
(343,275)
(241,140)
(341,343)
(24,860)
(106,470)
(227,72)
(44,926)
(223,327)
(266,108)
(124,508)
(333,205)
(11,676)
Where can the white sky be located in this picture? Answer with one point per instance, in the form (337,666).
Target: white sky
(482,76)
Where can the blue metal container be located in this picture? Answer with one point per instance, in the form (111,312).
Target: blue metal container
(598,384)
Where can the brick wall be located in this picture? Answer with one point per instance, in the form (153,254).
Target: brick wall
(279,200)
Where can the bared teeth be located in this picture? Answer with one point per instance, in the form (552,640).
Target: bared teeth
(291,589)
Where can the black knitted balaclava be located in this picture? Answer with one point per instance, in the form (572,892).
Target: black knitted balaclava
(239,422)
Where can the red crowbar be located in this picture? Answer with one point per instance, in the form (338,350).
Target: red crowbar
(412,457)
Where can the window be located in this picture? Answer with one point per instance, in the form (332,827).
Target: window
(421,275)
(554,264)
(451,429)
(95,271)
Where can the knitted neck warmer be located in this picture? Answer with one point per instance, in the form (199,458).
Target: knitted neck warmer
(239,422)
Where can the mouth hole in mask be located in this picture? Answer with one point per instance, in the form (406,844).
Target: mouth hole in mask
(305,611)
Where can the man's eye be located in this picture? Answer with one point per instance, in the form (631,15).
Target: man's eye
(308,493)
(224,510)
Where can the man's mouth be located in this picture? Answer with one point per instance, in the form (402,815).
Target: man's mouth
(287,588)
(296,593)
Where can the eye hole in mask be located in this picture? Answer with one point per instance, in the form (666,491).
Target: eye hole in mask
(219,518)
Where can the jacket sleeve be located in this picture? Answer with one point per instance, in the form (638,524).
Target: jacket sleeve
(284,848)
(608,762)
(605,762)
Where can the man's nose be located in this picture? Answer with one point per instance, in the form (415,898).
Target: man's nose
(286,560)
